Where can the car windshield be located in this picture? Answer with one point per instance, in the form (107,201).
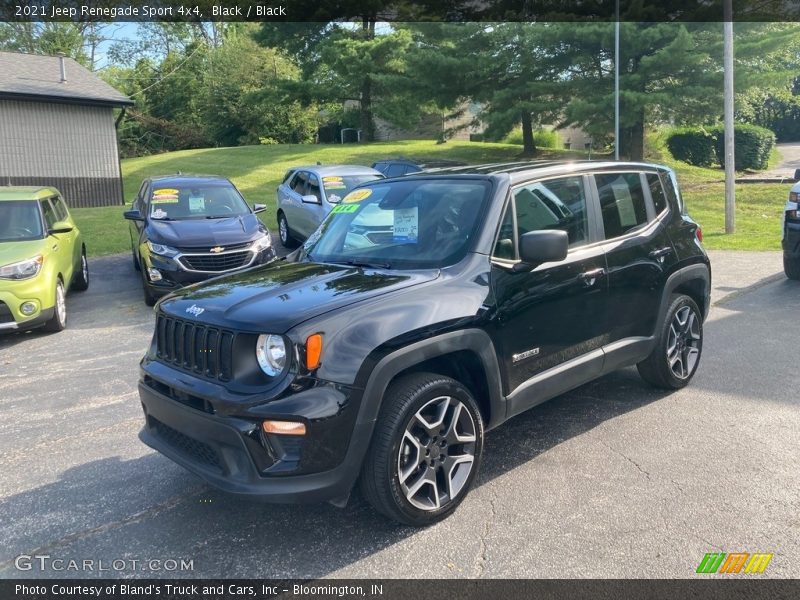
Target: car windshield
(338,186)
(174,201)
(20,220)
(405,224)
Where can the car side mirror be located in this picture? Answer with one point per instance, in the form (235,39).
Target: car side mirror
(537,247)
(257,208)
(60,227)
(133,215)
(311,199)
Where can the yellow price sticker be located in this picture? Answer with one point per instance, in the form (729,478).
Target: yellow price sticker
(357,196)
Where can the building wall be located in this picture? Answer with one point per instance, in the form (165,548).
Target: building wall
(71,147)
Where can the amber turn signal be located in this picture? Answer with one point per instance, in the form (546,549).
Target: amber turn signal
(313,351)
(284,427)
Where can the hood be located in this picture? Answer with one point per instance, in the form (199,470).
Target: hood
(205,232)
(11,252)
(276,297)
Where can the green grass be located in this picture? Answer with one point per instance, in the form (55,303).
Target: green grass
(758,207)
(257,171)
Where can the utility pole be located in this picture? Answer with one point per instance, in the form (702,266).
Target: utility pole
(727,59)
(616,81)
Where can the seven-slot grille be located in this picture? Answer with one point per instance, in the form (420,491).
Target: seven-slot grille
(225,261)
(195,347)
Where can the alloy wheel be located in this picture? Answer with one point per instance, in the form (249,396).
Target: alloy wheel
(683,342)
(437,453)
(283,229)
(61,304)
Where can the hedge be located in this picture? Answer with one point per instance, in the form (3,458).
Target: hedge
(693,145)
(752,145)
(704,147)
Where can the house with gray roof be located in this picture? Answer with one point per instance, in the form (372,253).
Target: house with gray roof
(57,128)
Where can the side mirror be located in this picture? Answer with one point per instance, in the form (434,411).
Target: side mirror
(537,247)
(60,227)
(257,208)
(133,215)
(311,199)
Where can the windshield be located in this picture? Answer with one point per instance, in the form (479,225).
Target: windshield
(337,186)
(206,201)
(20,220)
(412,223)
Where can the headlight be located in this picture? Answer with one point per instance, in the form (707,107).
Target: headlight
(271,354)
(24,269)
(162,250)
(262,243)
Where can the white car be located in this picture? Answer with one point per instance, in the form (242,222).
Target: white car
(308,194)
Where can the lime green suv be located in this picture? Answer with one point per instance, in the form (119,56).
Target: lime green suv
(42,255)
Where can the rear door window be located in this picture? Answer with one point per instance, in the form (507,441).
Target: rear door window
(622,202)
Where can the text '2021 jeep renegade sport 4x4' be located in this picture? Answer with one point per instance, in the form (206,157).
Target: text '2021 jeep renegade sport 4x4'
(424,311)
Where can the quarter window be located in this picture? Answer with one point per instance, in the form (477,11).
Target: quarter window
(622,202)
(49,214)
(657,192)
(553,204)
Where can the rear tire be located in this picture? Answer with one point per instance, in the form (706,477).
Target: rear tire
(80,281)
(284,233)
(59,319)
(425,450)
(679,344)
(149,298)
(791,268)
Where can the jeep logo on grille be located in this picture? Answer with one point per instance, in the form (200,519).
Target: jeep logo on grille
(195,310)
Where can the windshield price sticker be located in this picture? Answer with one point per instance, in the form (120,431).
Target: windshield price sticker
(197,204)
(406,225)
(345,208)
(165,196)
(357,195)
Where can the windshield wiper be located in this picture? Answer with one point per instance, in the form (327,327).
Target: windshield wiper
(369,265)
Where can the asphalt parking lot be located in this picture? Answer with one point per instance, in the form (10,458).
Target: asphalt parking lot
(612,480)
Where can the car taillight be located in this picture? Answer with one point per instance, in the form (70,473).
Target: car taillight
(698,233)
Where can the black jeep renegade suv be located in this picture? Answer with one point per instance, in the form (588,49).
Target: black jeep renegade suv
(423,312)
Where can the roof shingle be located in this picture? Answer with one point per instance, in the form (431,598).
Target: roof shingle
(39,77)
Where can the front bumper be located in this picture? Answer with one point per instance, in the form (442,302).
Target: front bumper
(203,432)
(175,276)
(13,294)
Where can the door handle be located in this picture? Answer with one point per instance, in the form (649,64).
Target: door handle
(660,254)
(589,277)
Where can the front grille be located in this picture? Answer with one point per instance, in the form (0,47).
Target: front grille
(5,314)
(205,249)
(216,262)
(195,347)
(189,446)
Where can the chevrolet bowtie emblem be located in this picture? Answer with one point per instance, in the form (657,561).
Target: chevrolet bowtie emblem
(217,249)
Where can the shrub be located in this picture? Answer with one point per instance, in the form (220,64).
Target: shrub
(704,147)
(693,145)
(752,145)
(543,138)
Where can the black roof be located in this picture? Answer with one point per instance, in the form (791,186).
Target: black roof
(37,77)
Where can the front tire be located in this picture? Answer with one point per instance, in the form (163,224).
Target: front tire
(81,279)
(679,344)
(791,268)
(426,450)
(149,298)
(284,233)
(59,319)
